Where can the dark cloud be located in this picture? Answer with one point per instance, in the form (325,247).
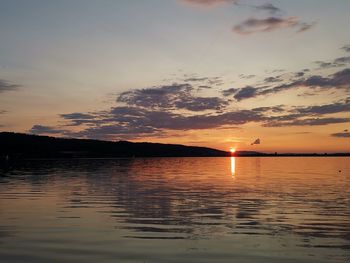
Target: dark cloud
(255,25)
(79,118)
(245,93)
(274,109)
(346,48)
(204,87)
(76,115)
(7,86)
(338,80)
(338,62)
(270,8)
(40,129)
(175,121)
(272,79)
(131,122)
(116,130)
(175,96)
(326,109)
(344,134)
(2,111)
(257,141)
(200,103)
(299,74)
(342,60)
(306,122)
(229,92)
(162,97)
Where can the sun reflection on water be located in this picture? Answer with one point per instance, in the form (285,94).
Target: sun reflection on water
(233,167)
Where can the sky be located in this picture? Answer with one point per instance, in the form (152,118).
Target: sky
(270,76)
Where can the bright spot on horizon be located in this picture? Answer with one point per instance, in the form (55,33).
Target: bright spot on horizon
(232,150)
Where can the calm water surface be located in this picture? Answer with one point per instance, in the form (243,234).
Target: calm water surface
(176,210)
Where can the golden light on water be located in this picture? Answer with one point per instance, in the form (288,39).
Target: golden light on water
(233,167)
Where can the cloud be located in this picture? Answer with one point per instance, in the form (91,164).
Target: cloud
(129,122)
(77,115)
(337,107)
(303,26)
(40,129)
(158,97)
(2,111)
(79,118)
(175,96)
(229,92)
(195,79)
(338,62)
(338,80)
(270,8)
(300,73)
(346,48)
(307,122)
(132,122)
(7,86)
(273,79)
(255,25)
(344,134)
(274,109)
(243,76)
(208,3)
(245,93)
(257,141)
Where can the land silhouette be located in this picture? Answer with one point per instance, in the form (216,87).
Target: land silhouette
(26,146)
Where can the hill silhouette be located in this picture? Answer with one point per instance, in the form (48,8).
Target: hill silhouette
(25,146)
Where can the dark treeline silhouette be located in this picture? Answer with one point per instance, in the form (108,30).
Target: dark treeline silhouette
(24,146)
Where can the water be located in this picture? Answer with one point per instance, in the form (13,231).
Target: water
(176,210)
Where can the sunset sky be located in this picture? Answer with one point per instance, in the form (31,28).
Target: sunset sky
(216,73)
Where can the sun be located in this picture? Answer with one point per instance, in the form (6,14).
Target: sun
(232,150)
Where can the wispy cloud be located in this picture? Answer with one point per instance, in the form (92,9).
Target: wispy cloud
(346,48)
(208,3)
(7,86)
(307,122)
(338,62)
(255,25)
(270,8)
(40,129)
(343,134)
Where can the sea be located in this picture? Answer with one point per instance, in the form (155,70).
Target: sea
(225,209)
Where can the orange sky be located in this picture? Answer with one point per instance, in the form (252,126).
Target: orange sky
(209,73)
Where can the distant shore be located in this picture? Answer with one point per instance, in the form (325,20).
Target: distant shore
(19,146)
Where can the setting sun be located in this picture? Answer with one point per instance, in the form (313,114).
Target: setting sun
(232,150)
